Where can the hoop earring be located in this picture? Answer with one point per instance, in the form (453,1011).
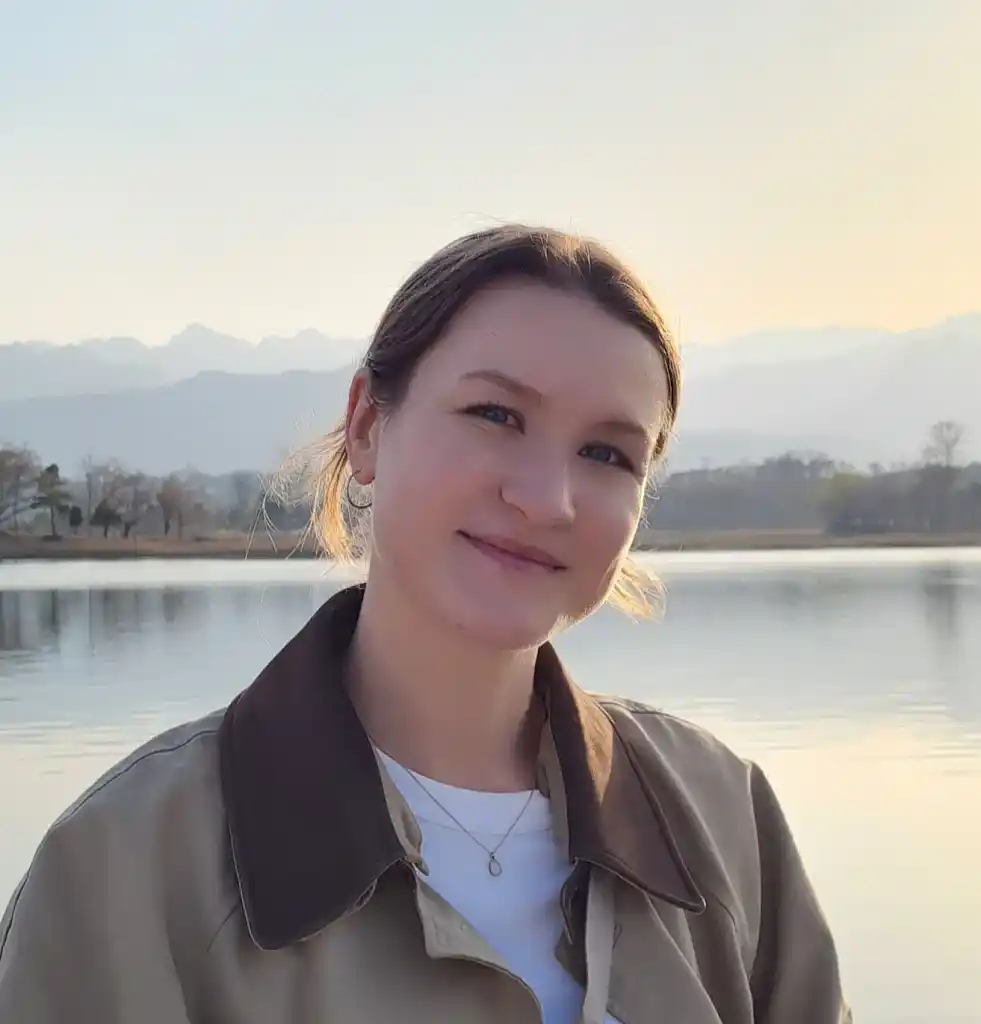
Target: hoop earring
(351,501)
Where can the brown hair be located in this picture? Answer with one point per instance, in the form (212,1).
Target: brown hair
(420,312)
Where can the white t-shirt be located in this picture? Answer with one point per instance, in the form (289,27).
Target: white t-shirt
(517,912)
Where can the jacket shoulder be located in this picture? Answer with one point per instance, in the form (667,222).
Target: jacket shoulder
(164,768)
(676,739)
(696,776)
(140,824)
(732,831)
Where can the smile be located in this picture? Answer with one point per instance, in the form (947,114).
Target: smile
(513,555)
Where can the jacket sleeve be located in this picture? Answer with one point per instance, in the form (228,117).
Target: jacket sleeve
(795,977)
(76,945)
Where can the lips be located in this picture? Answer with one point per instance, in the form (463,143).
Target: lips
(513,553)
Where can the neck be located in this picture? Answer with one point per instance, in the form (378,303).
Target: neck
(439,704)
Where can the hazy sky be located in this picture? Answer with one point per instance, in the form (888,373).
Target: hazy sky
(266,165)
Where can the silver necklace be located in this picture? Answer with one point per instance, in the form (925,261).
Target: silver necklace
(494,866)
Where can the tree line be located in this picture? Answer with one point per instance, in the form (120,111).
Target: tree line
(811,491)
(793,491)
(108,498)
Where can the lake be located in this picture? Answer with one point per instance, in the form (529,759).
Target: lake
(853,678)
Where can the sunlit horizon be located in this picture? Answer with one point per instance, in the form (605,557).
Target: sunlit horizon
(285,166)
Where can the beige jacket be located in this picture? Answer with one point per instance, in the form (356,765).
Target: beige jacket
(258,867)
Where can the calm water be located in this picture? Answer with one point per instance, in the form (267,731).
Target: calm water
(854,679)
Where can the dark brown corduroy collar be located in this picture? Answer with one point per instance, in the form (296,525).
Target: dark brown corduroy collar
(309,824)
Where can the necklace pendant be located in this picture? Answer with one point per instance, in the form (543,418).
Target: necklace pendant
(494,866)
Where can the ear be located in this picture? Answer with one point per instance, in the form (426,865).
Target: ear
(362,429)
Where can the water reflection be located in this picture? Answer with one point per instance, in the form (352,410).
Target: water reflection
(820,643)
(42,621)
(817,644)
(943,588)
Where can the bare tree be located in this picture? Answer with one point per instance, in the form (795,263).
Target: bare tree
(943,443)
(92,473)
(938,476)
(52,494)
(173,501)
(134,499)
(20,469)
(103,483)
(247,495)
(114,492)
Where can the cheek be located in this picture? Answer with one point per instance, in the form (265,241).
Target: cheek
(607,519)
(447,455)
(423,472)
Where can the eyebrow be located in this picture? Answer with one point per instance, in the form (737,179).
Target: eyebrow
(617,425)
(502,380)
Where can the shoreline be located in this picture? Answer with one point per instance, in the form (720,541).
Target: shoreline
(21,549)
(795,540)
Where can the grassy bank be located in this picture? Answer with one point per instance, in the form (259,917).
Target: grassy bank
(234,545)
(228,545)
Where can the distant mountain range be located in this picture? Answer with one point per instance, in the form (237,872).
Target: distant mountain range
(220,403)
(38,369)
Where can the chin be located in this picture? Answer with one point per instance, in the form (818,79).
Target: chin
(496,622)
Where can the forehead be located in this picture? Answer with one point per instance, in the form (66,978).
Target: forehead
(561,343)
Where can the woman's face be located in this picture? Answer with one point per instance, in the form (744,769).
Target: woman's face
(508,484)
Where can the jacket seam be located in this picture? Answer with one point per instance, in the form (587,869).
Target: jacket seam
(221,927)
(109,780)
(638,710)
(70,813)
(13,910)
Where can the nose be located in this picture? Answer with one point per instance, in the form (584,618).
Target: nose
(540,487)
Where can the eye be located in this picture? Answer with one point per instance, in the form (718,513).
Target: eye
(494,413)
(606,454)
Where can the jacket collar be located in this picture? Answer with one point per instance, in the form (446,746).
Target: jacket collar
(310,828)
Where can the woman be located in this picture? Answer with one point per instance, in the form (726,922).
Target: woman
(413,814)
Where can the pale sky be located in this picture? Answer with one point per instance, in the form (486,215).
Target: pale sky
(266,165)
